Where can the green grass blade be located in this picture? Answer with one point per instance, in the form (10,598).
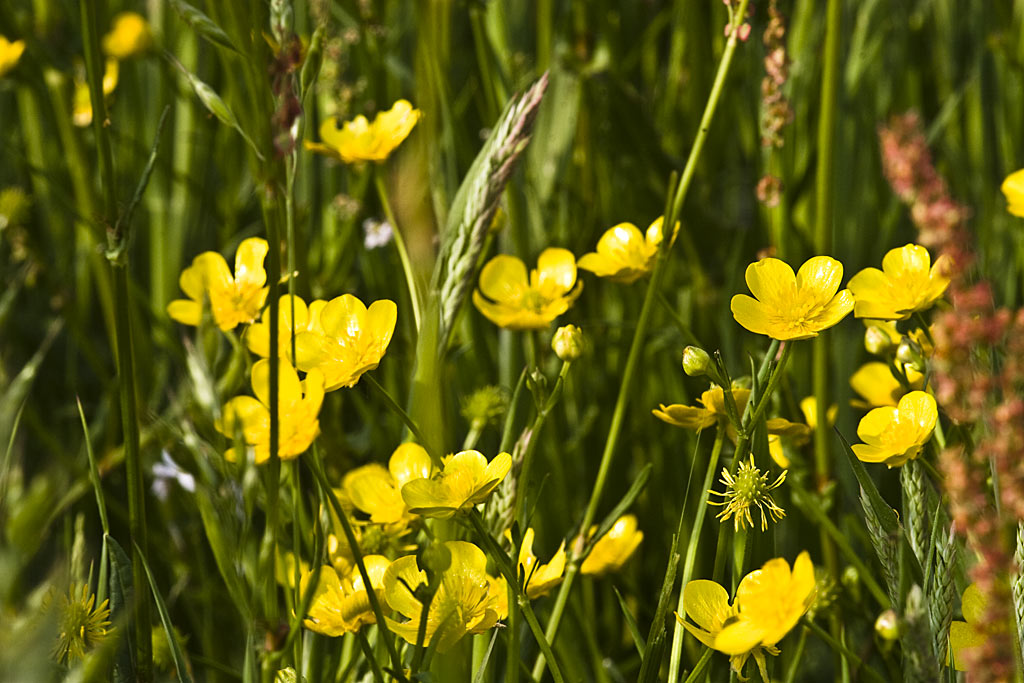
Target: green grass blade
(165,619)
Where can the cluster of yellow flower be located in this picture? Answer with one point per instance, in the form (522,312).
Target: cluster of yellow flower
(464,598)
(769,602)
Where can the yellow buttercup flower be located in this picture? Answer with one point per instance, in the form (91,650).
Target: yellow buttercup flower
(1013,188)
(233,300)
(359,140)
(466,600)
(876,384)
(895,435)
(974,631)
(613,549)
(508,298)
(81,111)
(10,53)
(352,340)
(908,282)
(298,409)
(790,307)
(377,491)
(713,411)
(466,480)
(624,254)
(769,603)
(341,604)
(129,36)
(540,578)
(749,488)
(307,319)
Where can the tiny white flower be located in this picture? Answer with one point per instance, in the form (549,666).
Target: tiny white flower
(378,233)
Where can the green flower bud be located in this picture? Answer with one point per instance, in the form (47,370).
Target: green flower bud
(568,343)
(910,354)
(888,625)
(877,341)
(696,361)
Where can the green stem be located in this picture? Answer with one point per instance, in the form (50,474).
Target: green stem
(803,500)
(675,660)
(639,336)
(398,410)
(315,466)
(843,650)
(824,191)
(507,570)
(403,253)
(700,666)
(798,656)
(118,239)
(523,477)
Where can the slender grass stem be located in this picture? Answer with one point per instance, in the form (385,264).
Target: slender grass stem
(315,466)
(823,225)
(403,253)
(398,410)
(844,651)
(675,659)
(507,569)
(639,337)
(118,240)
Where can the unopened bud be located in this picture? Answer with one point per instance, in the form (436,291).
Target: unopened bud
(909,353)
(568,343)
(696,361)
(888,625)
(877,341)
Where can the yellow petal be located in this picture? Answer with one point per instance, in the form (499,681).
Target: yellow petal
(401,577)
(503,279)
(249,262)
(776,451)
(185,312)
(772,282)
(409,461)
(837,308)
(707,603)
(381,317)
(741,636)
(874,381)
(875,423)
(208,270)
(820,276)
(289,388)
(963,636)
(556,272)
(343,317)
(908,260)
(973,605)
(621,242)
(686,417)
(919,408)
(1013,189)
(309,350)
(313,391)
(751,314)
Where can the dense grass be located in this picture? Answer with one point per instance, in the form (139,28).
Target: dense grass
(628,86)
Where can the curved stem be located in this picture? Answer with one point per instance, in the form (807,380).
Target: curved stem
(639,336)
(675,659)
(398,410)
(403,253)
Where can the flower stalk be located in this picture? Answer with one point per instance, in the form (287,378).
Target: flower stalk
(677,196)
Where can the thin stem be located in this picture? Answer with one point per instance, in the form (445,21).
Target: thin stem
(701,666)
(398,410)
(505,566)
(639,336)
(117,239)
(378,675)
(316,467)
(823,224)
(675,660)
(843,650)
(403,253)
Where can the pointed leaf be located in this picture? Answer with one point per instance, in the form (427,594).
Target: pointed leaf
(203,25)
(165,619)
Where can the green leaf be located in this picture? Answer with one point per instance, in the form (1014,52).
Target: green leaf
(634,630)
(120,608)
(165,619)
(224,550)
(94,472)
(884,511)
(627,500)
(203,25)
